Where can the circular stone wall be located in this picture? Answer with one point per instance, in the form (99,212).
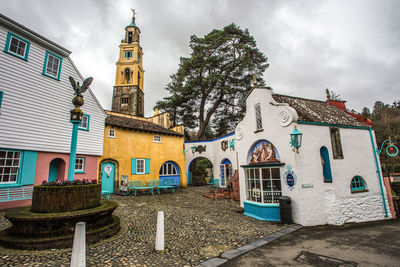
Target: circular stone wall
(49,199)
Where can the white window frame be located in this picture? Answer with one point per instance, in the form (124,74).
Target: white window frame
(49,70)
(168,169)
(20,40)
(86,127)
(113,133)
(254,187)
(156,138)
(80,161)
(9,165)
(143,165)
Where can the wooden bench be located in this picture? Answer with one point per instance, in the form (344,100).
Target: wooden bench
(161,184)
(16,193)
(138,185)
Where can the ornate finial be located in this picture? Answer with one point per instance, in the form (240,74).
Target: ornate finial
(328,95)
(254,80)
(133,13)
(156,112)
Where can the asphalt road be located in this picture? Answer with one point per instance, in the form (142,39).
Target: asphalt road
(369,244)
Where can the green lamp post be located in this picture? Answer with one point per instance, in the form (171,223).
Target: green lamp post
(296,138)
(75,119)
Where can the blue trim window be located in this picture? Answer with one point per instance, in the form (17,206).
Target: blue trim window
(9,166)
(168,169)
(128,54)
(52,65)
(84,124)
(80,165)
(1,97)
(326,165)
(358,185)
(17,46)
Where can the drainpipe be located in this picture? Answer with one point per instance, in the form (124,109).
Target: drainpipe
(378,170)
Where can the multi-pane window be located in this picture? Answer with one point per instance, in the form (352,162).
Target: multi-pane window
(80,165)
(17,46)
(140,165)
(124,100)
(357,184)
(9,166)
(111,133)
(84,124)
(157,139)
(258,116)
(263,185)
(52,65)
(168,169)
(336,143)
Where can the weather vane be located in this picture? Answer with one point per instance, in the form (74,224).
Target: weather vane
(133,12)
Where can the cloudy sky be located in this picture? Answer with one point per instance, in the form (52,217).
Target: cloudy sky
(351,47)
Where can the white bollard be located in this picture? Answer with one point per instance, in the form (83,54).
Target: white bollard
(160,231)
(78,258)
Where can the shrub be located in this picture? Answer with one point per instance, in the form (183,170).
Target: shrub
(69,183)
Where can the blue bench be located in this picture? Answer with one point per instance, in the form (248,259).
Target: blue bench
(16,193)
(164,184)
(138,185)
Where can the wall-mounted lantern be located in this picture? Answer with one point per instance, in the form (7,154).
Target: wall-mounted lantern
(296,138)
(193,149)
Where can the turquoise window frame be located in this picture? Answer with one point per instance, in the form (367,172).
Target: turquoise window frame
(130,52)
(27,168)
(8,43)
(1,97)
(326,166)
(358,185)
(87,124)
(57,77)
(83,165)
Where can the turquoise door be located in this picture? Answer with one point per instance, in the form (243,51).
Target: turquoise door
(107,178)
(53,170)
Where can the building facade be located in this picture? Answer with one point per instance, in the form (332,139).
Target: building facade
(135,147)
(333,179)
(35,104)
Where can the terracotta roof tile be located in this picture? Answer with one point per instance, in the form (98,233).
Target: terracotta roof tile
(318,111)
(138,125)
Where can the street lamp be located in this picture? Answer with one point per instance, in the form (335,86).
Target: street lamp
(296,138)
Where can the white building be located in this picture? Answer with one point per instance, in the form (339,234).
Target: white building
(35,104)
(333,179)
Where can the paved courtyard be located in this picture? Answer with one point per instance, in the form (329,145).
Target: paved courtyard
(196,229)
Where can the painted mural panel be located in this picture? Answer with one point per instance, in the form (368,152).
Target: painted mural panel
(263,151)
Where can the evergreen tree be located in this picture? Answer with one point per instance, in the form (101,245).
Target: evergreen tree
(210,86)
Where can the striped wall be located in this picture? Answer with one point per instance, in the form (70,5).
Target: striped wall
(34,113)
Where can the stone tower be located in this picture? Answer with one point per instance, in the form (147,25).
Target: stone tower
(128,96)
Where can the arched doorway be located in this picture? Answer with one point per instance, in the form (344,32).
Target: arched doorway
(170,170)
(107,177)
(226,172)
(199,169)
(56,169)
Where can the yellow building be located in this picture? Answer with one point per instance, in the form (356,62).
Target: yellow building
(137,148)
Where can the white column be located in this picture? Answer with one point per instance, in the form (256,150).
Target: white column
(160,231)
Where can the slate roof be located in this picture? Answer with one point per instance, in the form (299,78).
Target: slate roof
(138,125)
(310,110)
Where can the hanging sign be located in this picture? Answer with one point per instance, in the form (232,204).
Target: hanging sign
(392,150)
(290,177)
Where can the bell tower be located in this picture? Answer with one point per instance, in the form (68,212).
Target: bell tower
(128,96)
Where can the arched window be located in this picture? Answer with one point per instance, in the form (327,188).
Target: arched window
(358,185)
(326,165)
(127,75)
(168,169)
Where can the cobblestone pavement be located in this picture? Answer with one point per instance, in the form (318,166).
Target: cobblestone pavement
(196,228)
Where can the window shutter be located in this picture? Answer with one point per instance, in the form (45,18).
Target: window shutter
(1,97)
(28,167)
(133,170)
(147,166)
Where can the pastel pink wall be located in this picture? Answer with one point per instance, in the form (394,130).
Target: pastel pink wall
(14,204)
(389,196)
(43,165)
